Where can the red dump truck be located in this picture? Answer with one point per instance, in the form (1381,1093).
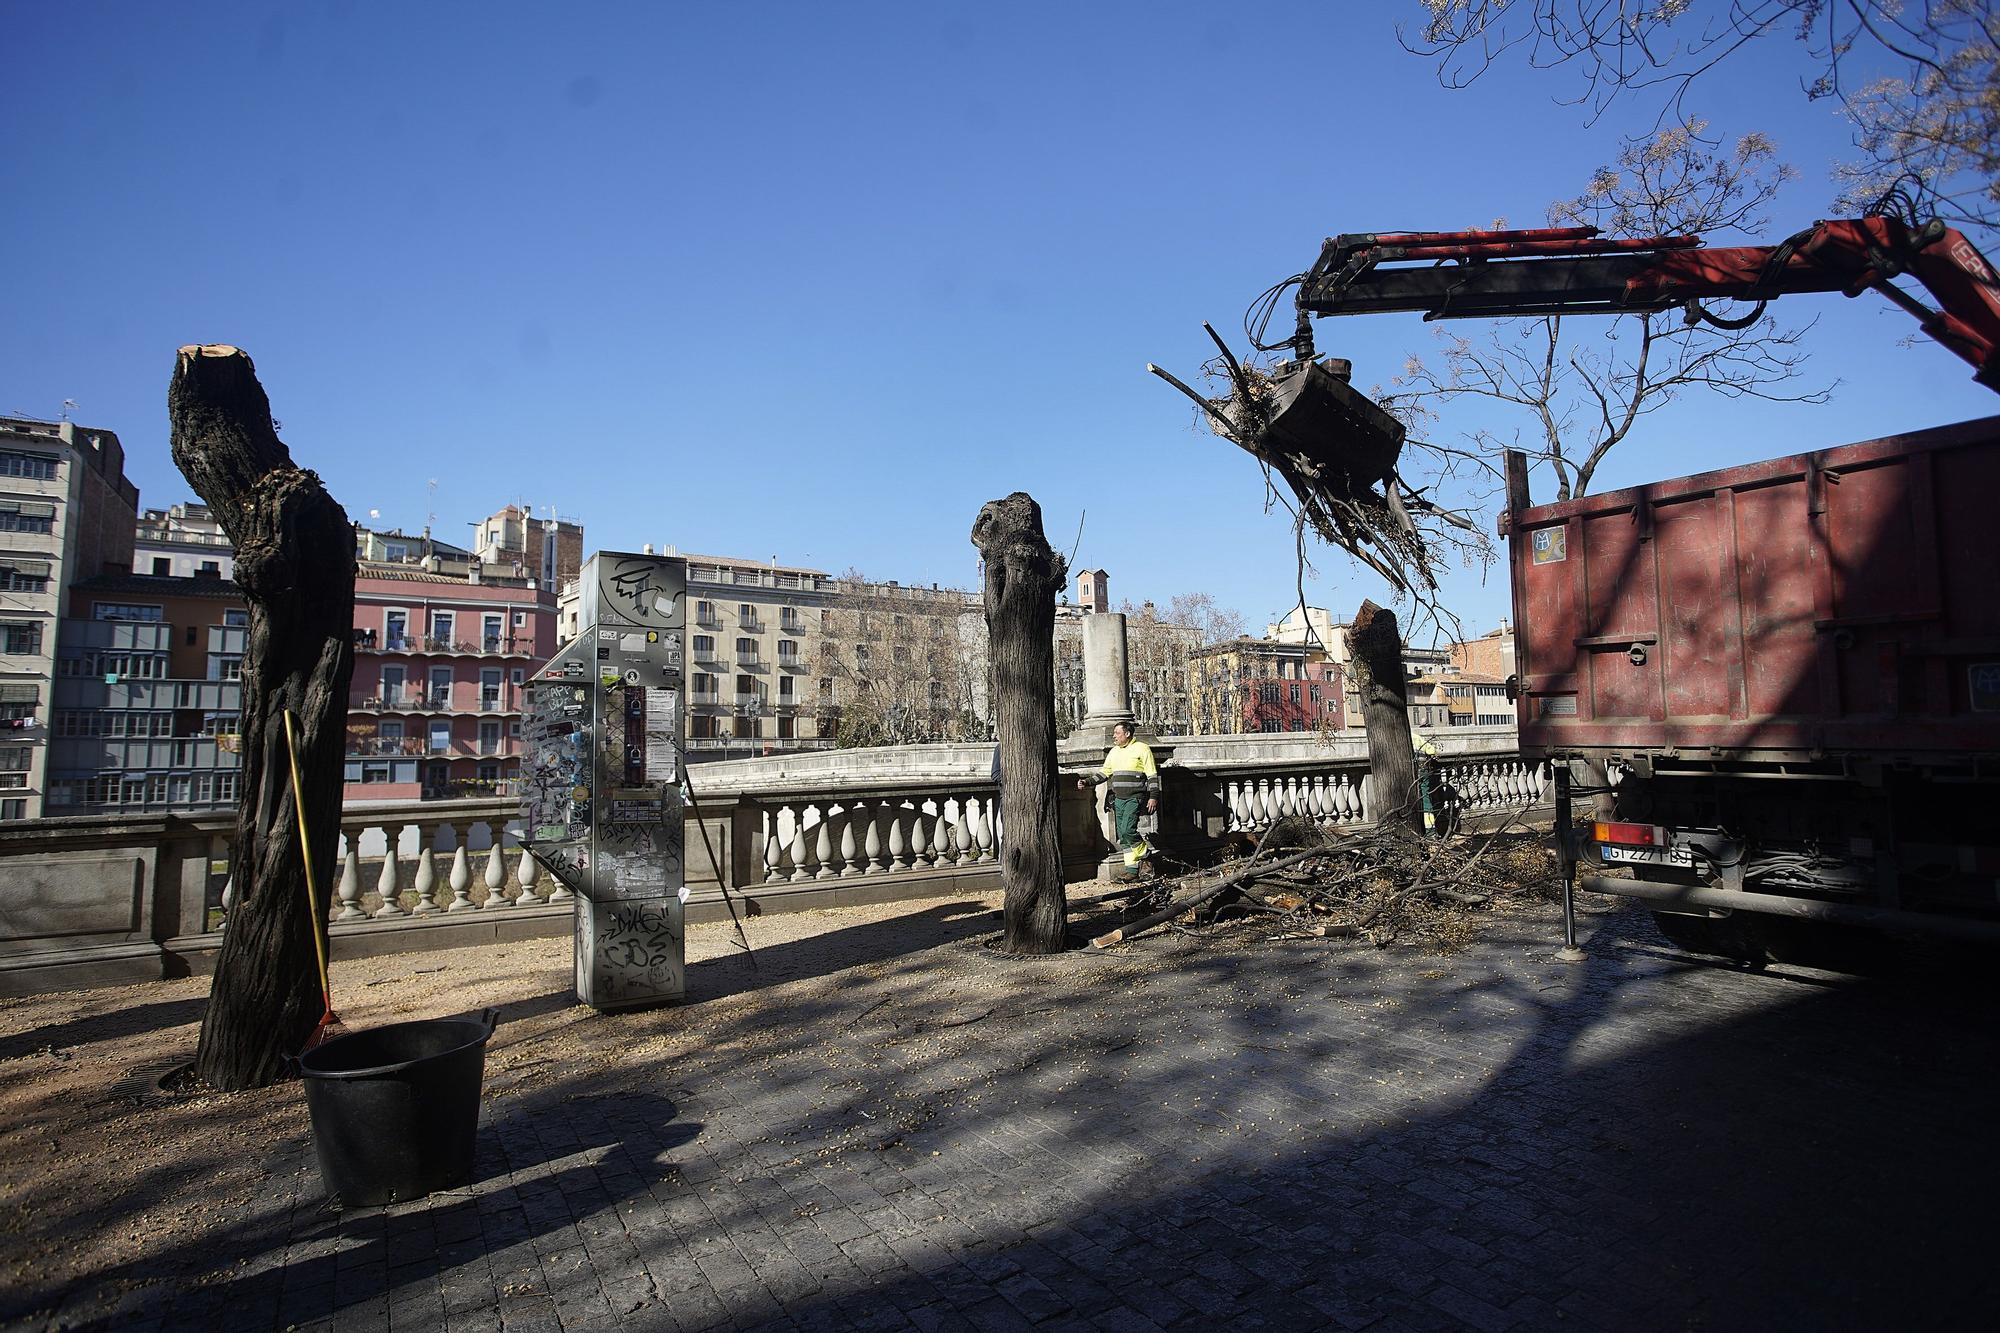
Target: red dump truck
(1783,681)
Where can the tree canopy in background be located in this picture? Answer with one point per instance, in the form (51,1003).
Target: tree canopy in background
(1918,79)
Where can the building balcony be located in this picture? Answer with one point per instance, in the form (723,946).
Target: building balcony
(142,754)
(749,702)
(750,661)
(468,789)
(750,624)
(367,641)
(707,620)
(704,698)
(366,745)
(792,662)
(124,636)
(155,696)
(706,657)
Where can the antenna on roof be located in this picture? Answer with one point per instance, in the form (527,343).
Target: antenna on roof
(69,406)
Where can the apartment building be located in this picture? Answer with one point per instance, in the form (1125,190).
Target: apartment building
(1255,685)
(66,513)
(1490,655)
(513,541)
(147,695)
(440,663)
(182,540)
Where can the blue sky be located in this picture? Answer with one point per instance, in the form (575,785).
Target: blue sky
(809,282)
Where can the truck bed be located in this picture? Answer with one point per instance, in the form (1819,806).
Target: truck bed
(1838,603)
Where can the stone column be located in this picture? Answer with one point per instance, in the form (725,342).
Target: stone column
(1107,698)
(1107,680)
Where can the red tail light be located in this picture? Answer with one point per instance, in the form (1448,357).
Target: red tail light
(1642,835)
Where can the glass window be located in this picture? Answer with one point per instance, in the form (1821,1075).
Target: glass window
(21,636)
(125,611)
(15,807)
(36,467)
(16,758)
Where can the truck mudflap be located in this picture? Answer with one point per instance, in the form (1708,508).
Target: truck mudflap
(1700,898)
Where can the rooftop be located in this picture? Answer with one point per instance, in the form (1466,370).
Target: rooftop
(161,585)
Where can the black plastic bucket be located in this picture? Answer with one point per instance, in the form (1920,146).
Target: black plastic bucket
(395,1109)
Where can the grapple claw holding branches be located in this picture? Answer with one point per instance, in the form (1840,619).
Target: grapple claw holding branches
(1336,450)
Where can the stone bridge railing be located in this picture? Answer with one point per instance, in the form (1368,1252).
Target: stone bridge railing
(99,899)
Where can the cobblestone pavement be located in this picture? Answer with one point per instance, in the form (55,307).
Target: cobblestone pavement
(1187,1134)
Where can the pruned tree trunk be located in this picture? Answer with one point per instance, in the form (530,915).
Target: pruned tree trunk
(1023,576)
(295,564)
(1375,655)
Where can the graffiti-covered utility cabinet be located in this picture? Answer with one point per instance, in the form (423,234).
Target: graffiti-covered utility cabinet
(601,791)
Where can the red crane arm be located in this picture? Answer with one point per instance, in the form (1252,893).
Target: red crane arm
(1574,270)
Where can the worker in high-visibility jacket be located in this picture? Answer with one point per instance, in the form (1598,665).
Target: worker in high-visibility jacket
(1135,783)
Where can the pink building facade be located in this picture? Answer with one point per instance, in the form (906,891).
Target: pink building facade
(439,669)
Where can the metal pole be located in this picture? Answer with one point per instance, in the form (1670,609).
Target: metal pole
(1569,953)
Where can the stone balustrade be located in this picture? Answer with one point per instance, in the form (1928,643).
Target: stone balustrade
(100,899)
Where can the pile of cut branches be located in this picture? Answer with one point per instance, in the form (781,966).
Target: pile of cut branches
(1382,885)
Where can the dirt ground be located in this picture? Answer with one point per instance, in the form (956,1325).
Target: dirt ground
(87,1134)
(101,1168)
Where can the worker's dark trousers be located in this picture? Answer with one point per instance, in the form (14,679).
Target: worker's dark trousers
(1125,818)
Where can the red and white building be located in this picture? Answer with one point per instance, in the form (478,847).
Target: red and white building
(440,665)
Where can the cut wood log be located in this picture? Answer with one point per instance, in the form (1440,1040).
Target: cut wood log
(295,564)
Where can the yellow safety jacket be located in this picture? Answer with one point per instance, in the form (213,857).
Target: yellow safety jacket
(1132,770)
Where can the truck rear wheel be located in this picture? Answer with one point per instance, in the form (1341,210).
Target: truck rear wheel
(1719,937)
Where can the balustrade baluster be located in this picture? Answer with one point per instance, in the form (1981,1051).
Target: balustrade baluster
(461,880)
(389,885)
(561,892)
(526,873)
(823,845)
(228,901)
(774,851)
(961,834)
(799,852)
(920,840)
(849,853)
(874,861)
(426,883)
(983,831)
(350,882)
(899,847)
(496,874)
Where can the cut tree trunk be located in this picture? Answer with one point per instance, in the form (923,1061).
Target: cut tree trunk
(1375,655)
(295,565)
(1023,576)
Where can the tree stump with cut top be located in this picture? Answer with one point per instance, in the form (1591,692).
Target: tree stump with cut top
(295,565)
(1023,576)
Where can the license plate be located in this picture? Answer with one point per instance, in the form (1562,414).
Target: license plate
(1647,856)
